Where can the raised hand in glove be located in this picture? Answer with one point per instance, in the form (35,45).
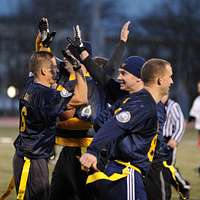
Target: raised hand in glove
(75,45)
(46,36)
(71,59)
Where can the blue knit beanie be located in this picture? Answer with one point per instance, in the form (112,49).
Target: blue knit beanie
(133,65)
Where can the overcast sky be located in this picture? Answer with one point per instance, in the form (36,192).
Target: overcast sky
(134,8)
(137,8)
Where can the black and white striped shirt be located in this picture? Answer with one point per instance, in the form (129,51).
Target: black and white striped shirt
(174,125)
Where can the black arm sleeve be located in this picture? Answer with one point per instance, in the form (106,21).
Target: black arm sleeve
(105,136)
(104,74)
(97,72)
(115,61)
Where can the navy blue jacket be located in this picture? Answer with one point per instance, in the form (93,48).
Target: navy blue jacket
(39,107)
(132,128)
(96,104)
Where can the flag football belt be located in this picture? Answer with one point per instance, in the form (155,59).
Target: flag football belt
(24,178)
(115,176)
(172,170)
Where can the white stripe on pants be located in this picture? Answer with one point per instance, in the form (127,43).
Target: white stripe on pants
(131,185)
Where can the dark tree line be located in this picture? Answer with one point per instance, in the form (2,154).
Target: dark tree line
(170,31)
(177,25)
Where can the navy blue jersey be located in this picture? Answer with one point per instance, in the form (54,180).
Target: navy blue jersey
(96,104)
(161,112)
(109,112)
(163,152)
(134,130)
(39,106)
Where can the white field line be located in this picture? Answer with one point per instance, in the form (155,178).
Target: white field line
(6,140)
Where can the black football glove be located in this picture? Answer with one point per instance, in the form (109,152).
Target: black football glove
(70,58)
(46,36)
(75,45)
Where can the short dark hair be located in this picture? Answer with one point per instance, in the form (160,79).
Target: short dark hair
(153,68)
(38,59)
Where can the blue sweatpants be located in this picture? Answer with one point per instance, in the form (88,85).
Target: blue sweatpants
(127,188)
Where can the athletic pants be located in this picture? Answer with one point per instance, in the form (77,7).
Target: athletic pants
(37,187)
(130,187)
(68,180)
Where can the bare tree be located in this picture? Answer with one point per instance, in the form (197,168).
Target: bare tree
(176,26)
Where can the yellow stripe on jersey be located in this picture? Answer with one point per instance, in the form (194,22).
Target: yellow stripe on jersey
(117,110)
(73,142)
(75,124)
(125,100)
(72,76)
(59,88)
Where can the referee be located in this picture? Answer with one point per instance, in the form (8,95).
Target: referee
(173,131)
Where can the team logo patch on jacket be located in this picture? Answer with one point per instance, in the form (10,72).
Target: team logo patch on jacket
(123,117)
(86,111)
(65,93)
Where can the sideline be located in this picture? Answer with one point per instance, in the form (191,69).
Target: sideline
(6,140)
(9,122)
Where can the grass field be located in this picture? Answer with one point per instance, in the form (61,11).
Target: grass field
(188,159)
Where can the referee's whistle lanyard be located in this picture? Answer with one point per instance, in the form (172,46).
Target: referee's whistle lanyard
(24,179)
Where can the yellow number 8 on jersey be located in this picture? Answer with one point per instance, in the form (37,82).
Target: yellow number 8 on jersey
(152,148)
